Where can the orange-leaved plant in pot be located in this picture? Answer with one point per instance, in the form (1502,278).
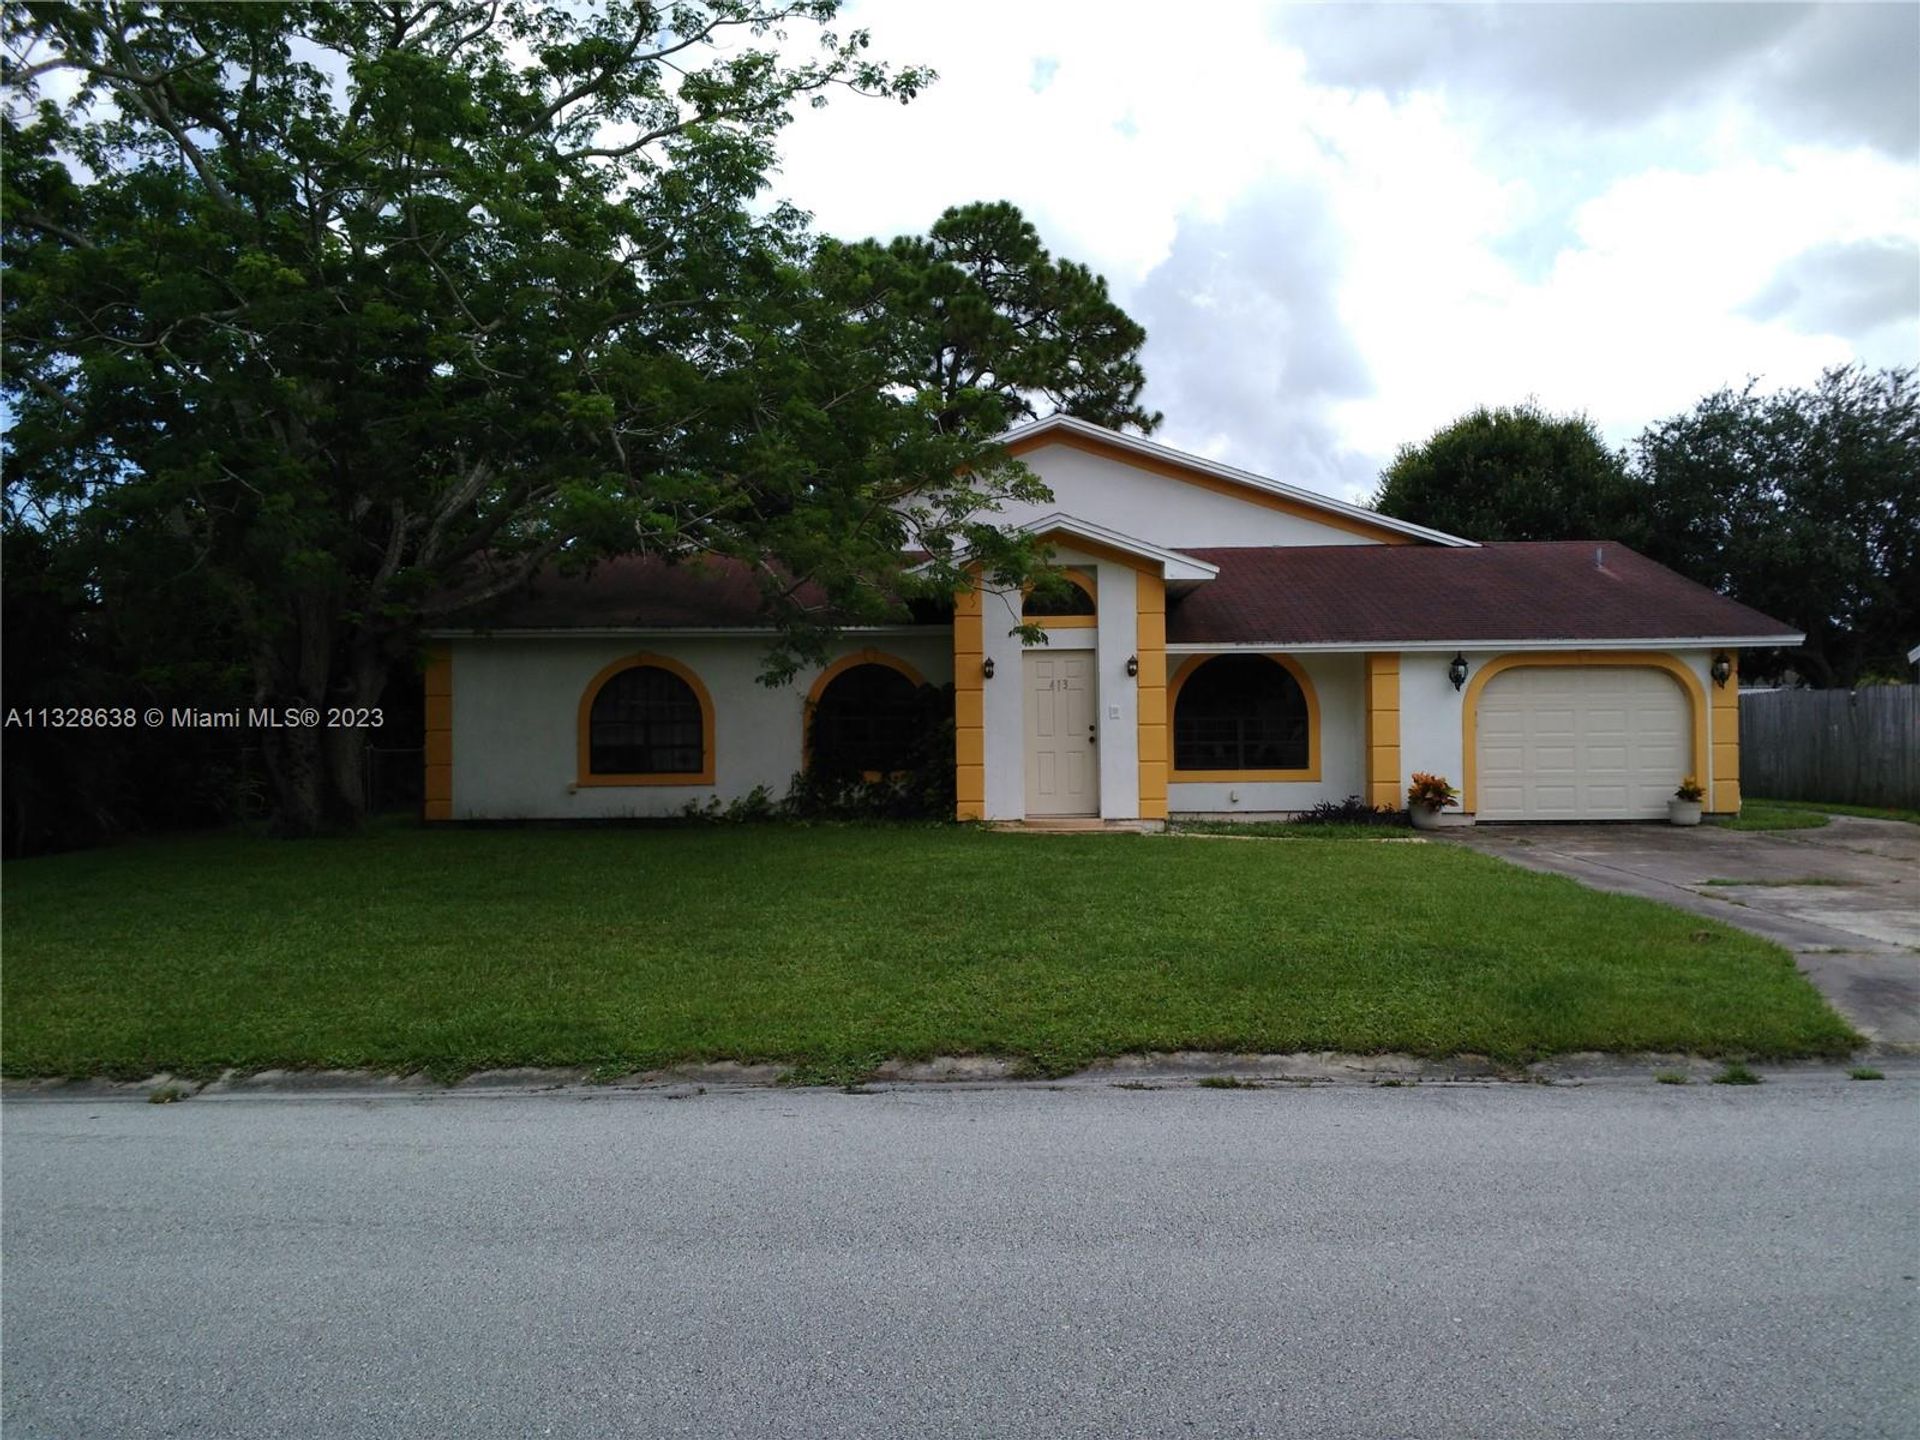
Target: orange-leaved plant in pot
(1427,796)
(1684,807)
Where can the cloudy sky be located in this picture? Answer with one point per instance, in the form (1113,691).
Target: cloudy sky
(1344,225)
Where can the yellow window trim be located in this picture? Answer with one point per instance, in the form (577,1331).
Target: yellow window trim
(835,671)
(1084,582)
(704,776)
(1584,659)
(1293,668)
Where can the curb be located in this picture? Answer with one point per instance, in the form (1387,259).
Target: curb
(1154,1070)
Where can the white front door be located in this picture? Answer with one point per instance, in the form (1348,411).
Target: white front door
(1063,753)
(1569,743)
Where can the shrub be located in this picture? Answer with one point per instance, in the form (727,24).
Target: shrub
(922,790)
(1351,811)
(1431,791)
(757,804)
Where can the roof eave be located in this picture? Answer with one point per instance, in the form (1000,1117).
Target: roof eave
(1630,642)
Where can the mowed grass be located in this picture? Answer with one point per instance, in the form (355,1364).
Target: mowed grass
(1807,815)
(830,949)
(1864,812)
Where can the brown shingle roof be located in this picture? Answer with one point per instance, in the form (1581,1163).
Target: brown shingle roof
(1269,595)
(642,592)
(1382,594)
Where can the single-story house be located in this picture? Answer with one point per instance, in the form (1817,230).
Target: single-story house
(1232,646)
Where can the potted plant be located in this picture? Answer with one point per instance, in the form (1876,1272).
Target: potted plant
(1684,807)
(1427,796)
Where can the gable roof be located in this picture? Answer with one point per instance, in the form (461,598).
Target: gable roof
(1178,566)
(1174,464)
(1497,593)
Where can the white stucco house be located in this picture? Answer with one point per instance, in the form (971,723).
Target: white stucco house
(1235,646)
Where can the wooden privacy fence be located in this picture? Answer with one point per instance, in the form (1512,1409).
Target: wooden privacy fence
(1848,747)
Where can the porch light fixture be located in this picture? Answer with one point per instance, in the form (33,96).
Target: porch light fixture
(1133,664)
(1721,669)
(986,667)
(1457,670)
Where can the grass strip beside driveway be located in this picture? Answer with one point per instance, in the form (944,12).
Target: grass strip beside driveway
(831,948)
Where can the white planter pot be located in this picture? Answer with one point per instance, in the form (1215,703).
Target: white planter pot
(1424,817)
(1683,812)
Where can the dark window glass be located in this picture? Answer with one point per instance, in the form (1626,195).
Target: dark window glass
(646,721)
(1240,712)
(1069,600)
(867,719)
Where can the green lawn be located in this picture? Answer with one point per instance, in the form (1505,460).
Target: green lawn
(1865,812)
(1807,815)
(834,947)
(1773,815)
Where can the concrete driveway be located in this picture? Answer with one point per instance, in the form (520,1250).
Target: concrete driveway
(1844,899)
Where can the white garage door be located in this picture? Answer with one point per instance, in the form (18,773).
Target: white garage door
(1569,743)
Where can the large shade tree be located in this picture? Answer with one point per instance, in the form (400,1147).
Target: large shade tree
(341,319)
(981,304)
(1803,502)
(1514,473)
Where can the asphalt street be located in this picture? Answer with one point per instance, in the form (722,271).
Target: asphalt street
(1615,1259)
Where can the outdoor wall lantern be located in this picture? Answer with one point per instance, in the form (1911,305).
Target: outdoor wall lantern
(1721,669)
(1457,670)
(986,667)
(1133,664)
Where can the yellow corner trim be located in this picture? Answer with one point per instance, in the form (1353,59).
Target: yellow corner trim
(1301,678)
(437,787)
(586,778)
(1725,794)
(1585,659)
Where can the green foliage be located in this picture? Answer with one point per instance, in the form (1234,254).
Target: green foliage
(344,319)
(1354,810)
(1736,1073)
(1821,811)
(1804,503)
(839,945)
(978,309)
(1514,473)
(1771,815)
(754,807)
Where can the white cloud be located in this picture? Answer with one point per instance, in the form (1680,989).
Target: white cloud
(1333,261)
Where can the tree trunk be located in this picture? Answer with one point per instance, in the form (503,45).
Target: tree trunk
(304,800)
(318,770)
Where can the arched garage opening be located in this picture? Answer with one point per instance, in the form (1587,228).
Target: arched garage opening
(1577,737)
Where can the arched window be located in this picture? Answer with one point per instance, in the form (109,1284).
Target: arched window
(1071,599)
(646,720)
(865,717)
(1237,713)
